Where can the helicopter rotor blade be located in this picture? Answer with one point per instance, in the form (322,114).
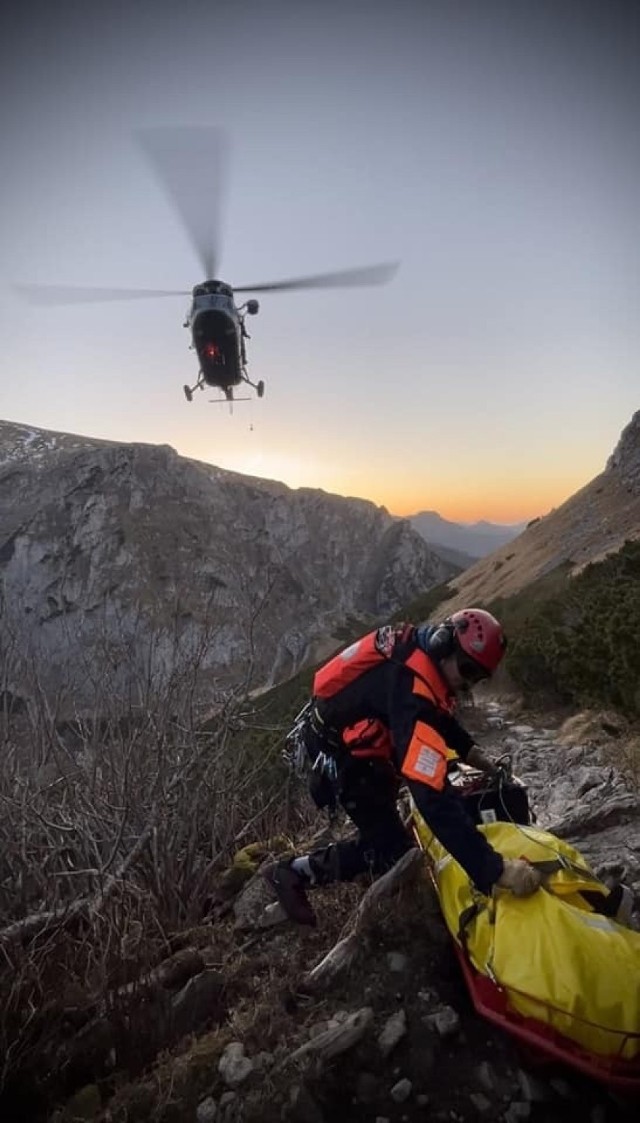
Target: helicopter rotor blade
(82,294)
(190,162)
(367,275)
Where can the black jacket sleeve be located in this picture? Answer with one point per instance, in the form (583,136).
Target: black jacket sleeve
(443,811)
(445,814)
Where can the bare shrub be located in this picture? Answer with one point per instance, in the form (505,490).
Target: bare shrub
(114,822)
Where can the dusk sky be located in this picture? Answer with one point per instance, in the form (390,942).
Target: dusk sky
(492,147)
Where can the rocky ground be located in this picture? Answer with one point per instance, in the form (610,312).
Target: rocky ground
(415,1049)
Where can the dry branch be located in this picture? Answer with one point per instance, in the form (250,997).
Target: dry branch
(40,922)
(342,953)
(338,1038)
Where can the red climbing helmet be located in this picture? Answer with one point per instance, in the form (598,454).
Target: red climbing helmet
(480,637)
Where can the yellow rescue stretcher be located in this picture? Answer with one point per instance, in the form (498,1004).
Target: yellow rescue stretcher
(549,969)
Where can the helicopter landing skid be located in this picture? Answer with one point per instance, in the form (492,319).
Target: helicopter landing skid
(257,386)
(189,390)
(200,384)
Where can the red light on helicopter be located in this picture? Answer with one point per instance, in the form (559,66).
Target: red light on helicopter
(212,351)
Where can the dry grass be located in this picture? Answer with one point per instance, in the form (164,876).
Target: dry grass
(609,731)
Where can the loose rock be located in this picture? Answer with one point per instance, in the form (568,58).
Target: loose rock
(393,1032)
(401,1091)
(233,1066)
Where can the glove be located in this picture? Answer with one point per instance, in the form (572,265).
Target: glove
(477,759)
(520,877)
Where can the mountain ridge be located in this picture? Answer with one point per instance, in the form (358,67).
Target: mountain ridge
(595,521)
(103,543)
(458,543)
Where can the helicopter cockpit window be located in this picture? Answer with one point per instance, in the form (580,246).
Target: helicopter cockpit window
(200,290)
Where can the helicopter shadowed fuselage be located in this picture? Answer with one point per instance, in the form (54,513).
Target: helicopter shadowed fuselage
(216,330)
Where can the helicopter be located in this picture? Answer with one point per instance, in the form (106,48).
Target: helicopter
(190,162)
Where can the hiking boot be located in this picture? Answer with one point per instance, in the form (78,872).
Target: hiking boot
(290,889)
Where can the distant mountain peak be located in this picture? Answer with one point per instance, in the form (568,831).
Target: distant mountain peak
(470,540)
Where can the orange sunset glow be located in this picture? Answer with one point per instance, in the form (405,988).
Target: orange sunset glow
(492,161)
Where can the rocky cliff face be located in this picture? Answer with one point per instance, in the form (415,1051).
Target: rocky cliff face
(624,461)
(137,555)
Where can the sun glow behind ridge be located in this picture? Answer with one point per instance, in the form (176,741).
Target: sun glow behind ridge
(289,469)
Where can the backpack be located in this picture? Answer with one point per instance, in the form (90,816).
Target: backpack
(389,641)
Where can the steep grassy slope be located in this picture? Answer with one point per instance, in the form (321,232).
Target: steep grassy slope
(592,524)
